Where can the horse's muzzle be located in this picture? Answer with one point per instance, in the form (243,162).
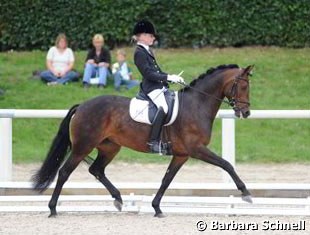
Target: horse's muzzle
(246,113)
(243,113)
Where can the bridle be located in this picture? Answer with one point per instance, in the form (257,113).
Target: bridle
(232,101)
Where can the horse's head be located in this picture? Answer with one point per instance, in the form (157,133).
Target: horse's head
(237,91)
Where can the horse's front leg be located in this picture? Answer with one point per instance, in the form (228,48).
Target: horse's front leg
(204,154)
(174,166)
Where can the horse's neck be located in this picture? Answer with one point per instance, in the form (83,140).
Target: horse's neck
(200,109)
(211,101)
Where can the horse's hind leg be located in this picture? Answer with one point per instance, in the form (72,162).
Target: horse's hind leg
(63,175)
(106,153)
(174,166)
(206,155)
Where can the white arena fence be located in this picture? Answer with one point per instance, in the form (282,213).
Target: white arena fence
(231,205)
(228,130)
(170,204)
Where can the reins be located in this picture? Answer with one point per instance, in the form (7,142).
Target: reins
(231,101)
(204,93)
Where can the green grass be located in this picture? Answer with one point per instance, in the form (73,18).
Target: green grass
(281,81)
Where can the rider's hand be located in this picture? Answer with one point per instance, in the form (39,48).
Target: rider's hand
(175,78)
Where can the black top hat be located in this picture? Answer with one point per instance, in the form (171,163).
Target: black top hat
(144,26)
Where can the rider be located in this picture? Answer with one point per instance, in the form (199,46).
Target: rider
(154,82)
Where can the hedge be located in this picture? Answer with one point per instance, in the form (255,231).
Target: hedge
(34,24)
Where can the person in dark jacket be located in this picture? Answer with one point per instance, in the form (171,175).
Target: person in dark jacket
(154,80)
(97,62)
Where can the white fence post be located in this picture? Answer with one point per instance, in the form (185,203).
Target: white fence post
(6,149)
(228,144)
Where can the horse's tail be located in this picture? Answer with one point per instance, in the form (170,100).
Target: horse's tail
(56,154)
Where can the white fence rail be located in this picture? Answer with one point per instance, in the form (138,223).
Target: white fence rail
(139,201)
(227,116)
(170,204)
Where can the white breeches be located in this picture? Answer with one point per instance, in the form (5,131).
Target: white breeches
(158,98)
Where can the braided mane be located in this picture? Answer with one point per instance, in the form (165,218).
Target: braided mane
(209,72)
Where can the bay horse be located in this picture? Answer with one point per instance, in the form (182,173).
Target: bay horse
(104,123)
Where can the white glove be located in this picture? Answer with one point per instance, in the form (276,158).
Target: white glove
(175,78)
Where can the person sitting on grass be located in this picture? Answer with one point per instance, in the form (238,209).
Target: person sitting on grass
(59,62)
(122,73)
(97,63)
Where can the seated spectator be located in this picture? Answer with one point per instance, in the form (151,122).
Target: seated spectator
(122,73)
(97,63)
(59,62)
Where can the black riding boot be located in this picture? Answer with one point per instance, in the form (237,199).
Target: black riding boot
(156,146)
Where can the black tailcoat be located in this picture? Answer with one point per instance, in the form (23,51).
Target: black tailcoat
(153,77)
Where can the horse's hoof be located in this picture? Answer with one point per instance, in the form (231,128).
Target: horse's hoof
(52,215)
(247,198)
(159,215)
(118,205)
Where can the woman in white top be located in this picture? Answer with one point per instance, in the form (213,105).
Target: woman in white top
(59,62)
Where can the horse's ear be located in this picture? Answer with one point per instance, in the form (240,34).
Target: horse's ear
(248,70)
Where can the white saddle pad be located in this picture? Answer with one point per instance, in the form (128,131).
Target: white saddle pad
(139,110)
